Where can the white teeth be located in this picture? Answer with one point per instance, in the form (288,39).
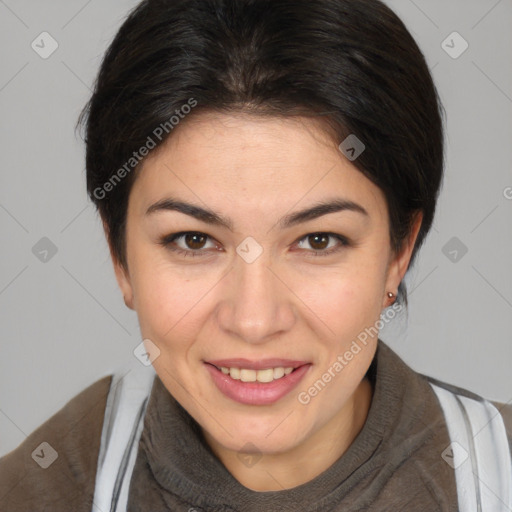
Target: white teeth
(278,372)
(248,375)
(265,375)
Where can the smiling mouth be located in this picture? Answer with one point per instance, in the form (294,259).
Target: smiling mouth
(261,382)
(264,375)
(250,375)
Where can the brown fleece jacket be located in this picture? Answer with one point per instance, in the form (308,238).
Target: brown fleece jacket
(394,464)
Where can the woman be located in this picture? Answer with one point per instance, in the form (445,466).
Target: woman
(266,172)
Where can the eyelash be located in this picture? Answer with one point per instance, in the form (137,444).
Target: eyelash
(167,240)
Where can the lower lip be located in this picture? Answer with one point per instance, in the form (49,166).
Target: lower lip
(256,393)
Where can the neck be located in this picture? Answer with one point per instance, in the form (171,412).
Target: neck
(275,472)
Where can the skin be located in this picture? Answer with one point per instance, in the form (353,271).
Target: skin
(288,303)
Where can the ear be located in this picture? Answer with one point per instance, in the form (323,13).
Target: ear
(122,274)
(399,263)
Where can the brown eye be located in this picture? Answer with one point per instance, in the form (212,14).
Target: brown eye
(195,240)
(323,244)
(189,243)
(318,241)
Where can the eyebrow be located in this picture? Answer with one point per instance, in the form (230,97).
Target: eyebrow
(292,219)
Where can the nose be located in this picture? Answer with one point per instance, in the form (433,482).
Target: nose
(257,305)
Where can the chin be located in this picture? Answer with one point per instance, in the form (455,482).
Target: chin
(265,434)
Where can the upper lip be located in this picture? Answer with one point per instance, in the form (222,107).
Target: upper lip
(260,364)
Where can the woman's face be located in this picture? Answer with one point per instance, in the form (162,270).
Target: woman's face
(264,281)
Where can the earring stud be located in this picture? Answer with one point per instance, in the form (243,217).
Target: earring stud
(391,295)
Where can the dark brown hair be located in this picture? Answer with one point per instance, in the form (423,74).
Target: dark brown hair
(353,62)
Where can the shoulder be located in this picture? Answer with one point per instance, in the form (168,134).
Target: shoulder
(506,413)
(501,410)
(55,467)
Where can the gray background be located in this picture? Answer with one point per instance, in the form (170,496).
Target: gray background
(63,323)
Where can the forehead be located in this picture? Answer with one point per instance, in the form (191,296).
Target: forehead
(253,162)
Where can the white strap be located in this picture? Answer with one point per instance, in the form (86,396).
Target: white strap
(122,427)
(481,454)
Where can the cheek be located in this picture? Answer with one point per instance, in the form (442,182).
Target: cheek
(168,304)
(343,302)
